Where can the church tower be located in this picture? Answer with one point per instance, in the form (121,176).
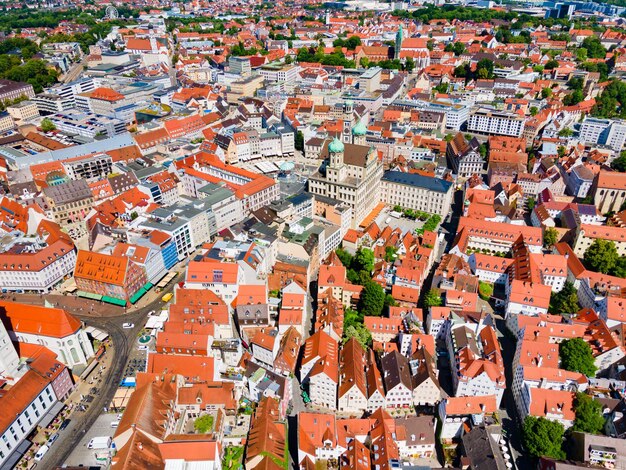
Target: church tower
(336,170)
(358,133)
(399,38)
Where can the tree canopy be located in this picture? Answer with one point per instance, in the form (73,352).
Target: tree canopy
(612,101)
(350,44)
(601,256)
(432,298)
(594,47)
(542,437)
(576,356)
(550,237)
(619,164)
(565,301)
(372,299)
(588,414)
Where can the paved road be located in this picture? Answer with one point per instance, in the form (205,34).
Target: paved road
(75,71)
(450,227)
(123,340)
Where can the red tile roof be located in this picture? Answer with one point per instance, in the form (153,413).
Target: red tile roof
(32,319)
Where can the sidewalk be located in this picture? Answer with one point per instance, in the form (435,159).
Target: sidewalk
(71,410)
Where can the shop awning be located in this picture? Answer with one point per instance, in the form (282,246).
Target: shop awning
(89,295)
(114,301)
(51,414)
(138,295)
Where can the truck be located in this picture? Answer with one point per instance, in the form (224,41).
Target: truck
(100,442)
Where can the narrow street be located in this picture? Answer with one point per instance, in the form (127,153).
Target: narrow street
(109,319)
(122,341)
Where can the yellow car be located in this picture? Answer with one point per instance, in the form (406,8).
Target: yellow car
(167,297)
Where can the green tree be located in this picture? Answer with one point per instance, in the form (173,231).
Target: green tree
(573,98)
(485,290)
(576,356)
(565,301)
(47,125)
(299,141)
(594,47)
(363,260)
(542,437)
(409,64)
(588,414)
(612,101)
(546,92)
(601,256)
(203,424)
(372,299)
(581,54)
(433,298)
(353,42)
(566,132)
(533,110)
(462,71)
(551,64)
(531,203)
(345,257)
(619,164)
(441,88)
(390,301)
(550,237)
(360,333)
(390,253)
(484,68)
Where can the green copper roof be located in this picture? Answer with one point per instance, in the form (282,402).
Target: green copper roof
(336,146)
(359,128)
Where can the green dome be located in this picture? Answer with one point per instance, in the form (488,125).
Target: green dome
(359,128)
(336,146)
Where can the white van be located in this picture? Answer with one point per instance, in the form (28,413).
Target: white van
(41,452)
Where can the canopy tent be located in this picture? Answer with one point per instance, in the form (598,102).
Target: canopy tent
(89,295)
(114,301)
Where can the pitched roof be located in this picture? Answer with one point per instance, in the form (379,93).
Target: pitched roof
(352,366)
(471,405)
(545,402)
(101,267)
(32,319)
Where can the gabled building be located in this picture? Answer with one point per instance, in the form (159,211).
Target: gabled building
(464,157)
(396,374)
(476,362)
(352,394)
(115,279)
(320,369)
(458,412)
(267,440)
(54,328)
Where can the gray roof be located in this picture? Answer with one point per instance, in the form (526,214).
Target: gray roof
(414,179)
(481,449)
(98,146)
(71,191)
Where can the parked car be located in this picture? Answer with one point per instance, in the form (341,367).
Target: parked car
(52,439)
(64,424)
(41,452)
(128,325)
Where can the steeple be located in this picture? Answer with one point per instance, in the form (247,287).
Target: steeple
(399,38)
